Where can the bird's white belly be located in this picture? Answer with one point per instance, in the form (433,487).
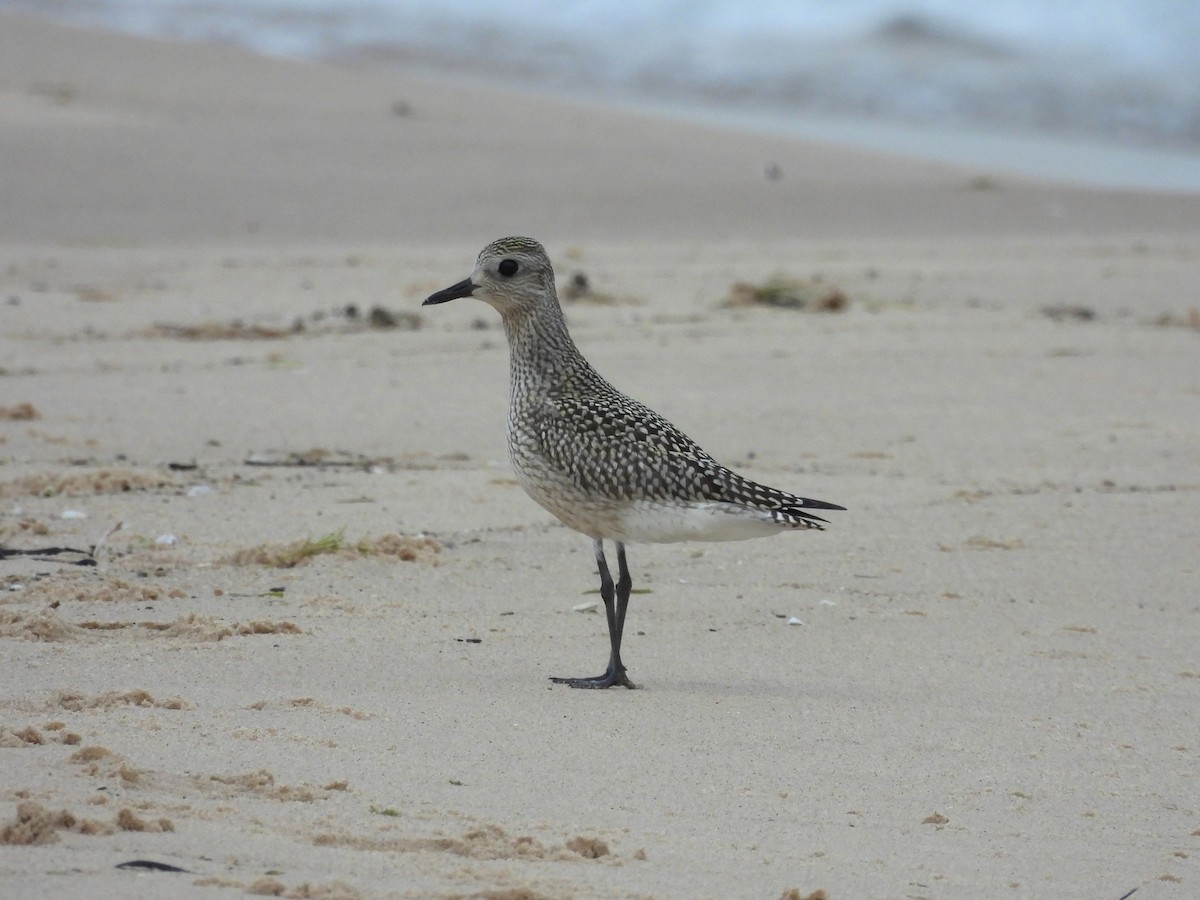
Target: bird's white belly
(639,521)
(662,523)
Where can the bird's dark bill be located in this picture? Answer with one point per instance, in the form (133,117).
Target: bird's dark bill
(463,289)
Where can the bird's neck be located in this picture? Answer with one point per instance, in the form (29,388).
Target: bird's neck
(542,356)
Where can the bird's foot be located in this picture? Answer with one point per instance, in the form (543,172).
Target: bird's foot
(607,680)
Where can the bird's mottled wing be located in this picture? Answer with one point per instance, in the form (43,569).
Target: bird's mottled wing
(616,447)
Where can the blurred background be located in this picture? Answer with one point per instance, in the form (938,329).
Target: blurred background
(1021,84)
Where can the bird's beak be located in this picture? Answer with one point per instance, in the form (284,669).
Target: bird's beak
(464,288)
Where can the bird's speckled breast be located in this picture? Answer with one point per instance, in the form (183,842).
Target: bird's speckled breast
(557,493)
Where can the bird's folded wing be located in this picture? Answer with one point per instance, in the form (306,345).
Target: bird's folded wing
(625,450)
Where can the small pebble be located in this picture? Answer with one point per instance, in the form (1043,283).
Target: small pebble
(74,514)
(166,540)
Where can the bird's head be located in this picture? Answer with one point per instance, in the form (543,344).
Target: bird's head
(512,274)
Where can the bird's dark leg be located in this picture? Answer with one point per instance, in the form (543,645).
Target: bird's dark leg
(616,602)
(624,586)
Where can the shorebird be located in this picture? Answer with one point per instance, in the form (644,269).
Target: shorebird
(603,463)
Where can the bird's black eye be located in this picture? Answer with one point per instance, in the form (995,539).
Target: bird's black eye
(507,268)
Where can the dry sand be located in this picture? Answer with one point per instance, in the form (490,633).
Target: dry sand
(995,691)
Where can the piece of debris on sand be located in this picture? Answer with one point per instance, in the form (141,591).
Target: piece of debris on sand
(812,295)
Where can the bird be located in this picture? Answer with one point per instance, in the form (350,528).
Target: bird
(601,462)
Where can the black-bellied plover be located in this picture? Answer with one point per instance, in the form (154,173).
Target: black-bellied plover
(603,463)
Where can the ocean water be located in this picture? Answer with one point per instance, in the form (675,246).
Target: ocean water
(1107,90)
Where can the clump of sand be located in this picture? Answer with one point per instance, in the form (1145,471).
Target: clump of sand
(193,627)
(35,824)
(77,702)
(22,412)
(42,625)
(29,736)
(486,842)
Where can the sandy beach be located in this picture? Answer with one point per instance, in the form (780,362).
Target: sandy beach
(276,613)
